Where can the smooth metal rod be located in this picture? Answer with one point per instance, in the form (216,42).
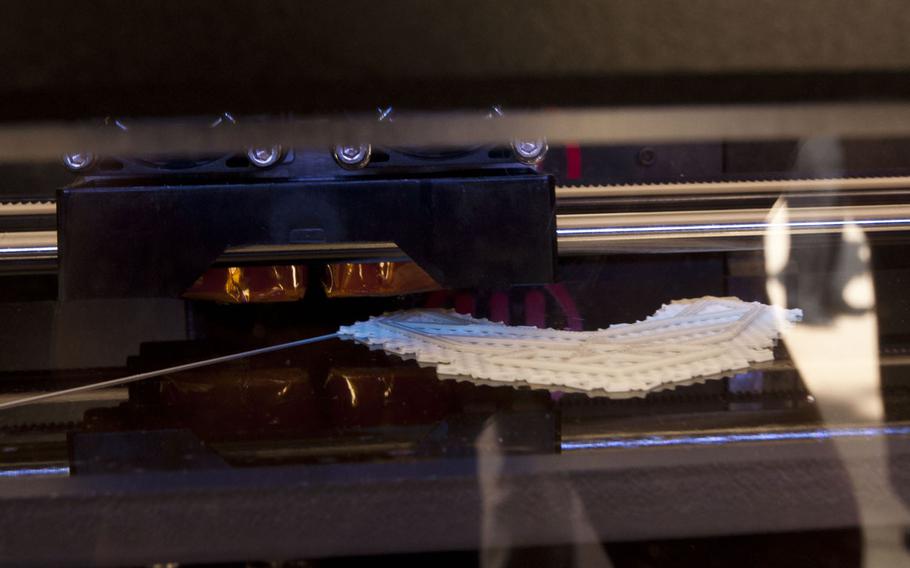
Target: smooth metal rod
(576,234)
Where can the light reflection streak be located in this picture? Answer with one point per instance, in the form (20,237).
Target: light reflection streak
(721,439)
(26,250)
(764,225)
(34,471)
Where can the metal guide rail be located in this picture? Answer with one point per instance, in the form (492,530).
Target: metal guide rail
(682,227)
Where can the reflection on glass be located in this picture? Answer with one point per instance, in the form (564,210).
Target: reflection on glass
(836,350)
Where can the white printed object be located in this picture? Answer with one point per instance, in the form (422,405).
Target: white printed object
(682,341)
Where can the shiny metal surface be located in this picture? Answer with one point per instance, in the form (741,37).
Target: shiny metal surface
(364,251)
(530,151)
(660,231)
(78,161)
(28,245)
(352,157)
(263,157)
(713,229)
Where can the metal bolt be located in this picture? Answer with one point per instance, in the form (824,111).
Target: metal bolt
(265,156)
(647,156)
(352,157)
(78,161)
(530,151)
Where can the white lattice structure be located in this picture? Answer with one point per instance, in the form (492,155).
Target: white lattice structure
(682,341)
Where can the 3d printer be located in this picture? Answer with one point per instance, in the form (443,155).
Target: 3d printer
(541,166)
